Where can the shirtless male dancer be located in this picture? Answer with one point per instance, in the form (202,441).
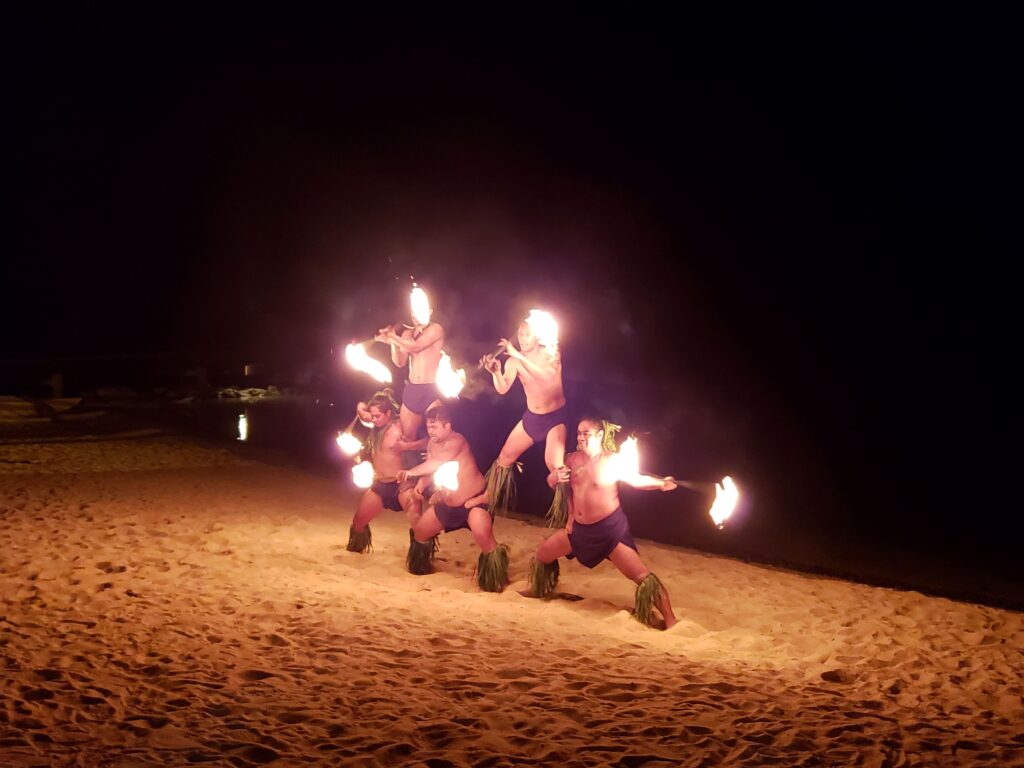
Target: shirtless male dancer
(384,446)
(540,371)
(449,510)
(598,528)
(420,347)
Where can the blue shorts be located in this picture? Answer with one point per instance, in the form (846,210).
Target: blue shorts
(593,542)
(537,425)
(388,493)
(418,397)
(454,518)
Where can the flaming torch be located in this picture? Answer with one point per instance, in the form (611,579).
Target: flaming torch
(349,443)
(356,356)
(420,305)
(726,497)
(629,459)
(449,381)
(243,427)
(545,328)
(625,466)
(621,466)
(362,474)
(447,476)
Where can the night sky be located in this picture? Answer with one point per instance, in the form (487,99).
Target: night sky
(795,223)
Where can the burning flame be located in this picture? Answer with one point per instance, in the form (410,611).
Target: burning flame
(545,328)
(624,465)
(449,381)
(726,497)
(362,474)
(243,427)
(356,356)
(629,459)
(447,476)
(349,443)
(420,305)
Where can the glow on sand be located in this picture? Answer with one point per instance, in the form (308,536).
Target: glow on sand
(349,443)
(449,381)
(356,356)
(362,474)
(727,495)
(447,476)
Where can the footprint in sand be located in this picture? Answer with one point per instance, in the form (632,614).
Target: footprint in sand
(254,675)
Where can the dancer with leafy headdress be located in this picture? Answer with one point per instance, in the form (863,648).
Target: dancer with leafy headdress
(383,448)
(449,510)
(598,528)
(538,365)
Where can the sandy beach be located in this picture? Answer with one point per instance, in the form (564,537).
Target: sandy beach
(166,602)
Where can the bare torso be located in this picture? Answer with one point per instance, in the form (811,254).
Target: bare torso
(471,482)
(593,497)
(423,364)
(387,458)
(543,387)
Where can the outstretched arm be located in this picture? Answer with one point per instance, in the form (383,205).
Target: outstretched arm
(447,452)
(651,483)
(428,467)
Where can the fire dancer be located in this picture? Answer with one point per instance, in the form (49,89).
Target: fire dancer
(598,528)
(420,347)
(384,447)
(461,504)
(538,365)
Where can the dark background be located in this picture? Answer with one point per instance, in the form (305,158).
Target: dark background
(779,245)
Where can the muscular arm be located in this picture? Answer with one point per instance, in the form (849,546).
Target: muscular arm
(411,445)
(528,364)
(651,483)
(409,345)
(384,336)
(448,452)
(503,379)
(562,474)
(398,356)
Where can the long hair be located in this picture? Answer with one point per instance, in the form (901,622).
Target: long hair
(384,399)
(608,444)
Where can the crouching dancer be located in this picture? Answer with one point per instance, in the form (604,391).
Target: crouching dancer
(450,510)
(383,448)
(598,528)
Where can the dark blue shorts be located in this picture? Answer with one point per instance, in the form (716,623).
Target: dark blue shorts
(592,543)
(537,425)
(454,518)
(388,493)
(418,397)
